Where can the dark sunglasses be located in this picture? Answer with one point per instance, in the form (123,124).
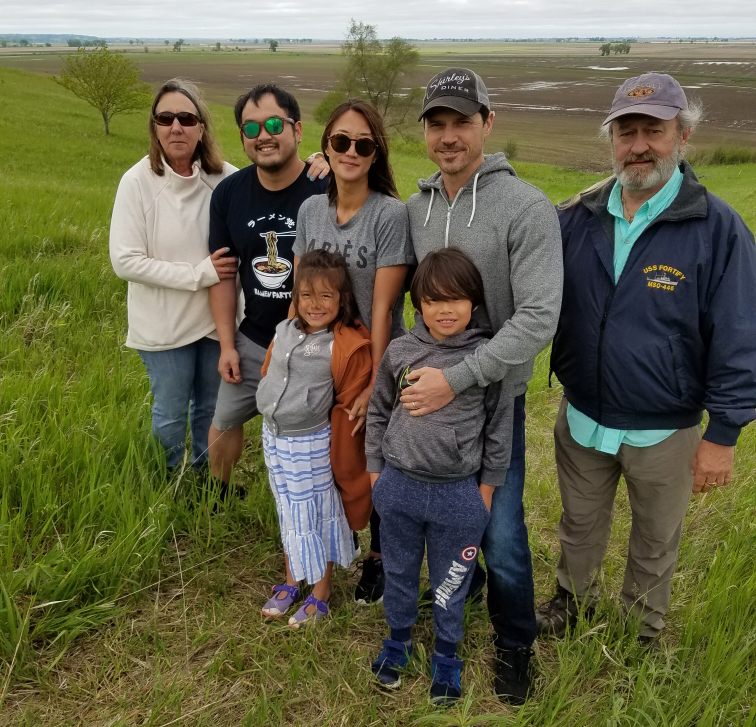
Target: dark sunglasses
(274,126)
(165,118)
(342,143)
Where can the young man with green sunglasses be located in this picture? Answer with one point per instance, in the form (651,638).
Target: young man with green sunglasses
(254,217)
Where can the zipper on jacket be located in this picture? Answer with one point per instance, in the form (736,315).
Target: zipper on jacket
(599,357)
(450,207)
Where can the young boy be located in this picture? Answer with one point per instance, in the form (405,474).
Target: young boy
(433,476)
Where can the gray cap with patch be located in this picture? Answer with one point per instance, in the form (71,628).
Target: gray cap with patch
(652,94)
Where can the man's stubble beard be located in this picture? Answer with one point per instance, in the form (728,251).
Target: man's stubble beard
(275,167)
(638,179)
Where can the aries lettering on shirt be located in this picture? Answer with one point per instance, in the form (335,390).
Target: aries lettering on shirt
(350,253)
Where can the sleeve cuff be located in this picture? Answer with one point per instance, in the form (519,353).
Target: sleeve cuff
(389,262)
(375,464)
(494,478)
(208,275)
(460,377)
(719,433)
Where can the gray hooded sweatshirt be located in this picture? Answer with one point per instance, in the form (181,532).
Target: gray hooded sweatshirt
(473,433)
(510,230)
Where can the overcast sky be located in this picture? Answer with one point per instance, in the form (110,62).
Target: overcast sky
(329,19)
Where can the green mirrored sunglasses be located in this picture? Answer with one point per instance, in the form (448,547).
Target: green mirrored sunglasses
(274,126)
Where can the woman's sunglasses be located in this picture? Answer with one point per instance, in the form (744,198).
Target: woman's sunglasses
(165,118)
(341,143)
(274,126)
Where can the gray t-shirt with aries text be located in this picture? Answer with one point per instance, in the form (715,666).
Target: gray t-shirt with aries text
(376,237)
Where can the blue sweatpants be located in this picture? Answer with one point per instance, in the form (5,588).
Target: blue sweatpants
(448,519)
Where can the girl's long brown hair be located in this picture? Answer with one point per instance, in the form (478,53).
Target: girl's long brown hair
(380,176)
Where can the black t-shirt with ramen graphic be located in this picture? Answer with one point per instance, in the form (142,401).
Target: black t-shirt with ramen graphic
(259,227)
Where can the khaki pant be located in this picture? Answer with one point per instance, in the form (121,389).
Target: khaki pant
(659,485)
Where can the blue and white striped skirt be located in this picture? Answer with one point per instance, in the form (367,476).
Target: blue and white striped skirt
(314,528)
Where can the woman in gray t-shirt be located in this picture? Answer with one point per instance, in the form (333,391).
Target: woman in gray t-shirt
(362,217)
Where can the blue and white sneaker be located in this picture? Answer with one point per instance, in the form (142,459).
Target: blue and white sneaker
(447,679)
(395,656)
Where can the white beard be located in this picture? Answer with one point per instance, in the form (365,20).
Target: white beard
(639,179)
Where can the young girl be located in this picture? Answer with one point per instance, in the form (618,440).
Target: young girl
(318,358)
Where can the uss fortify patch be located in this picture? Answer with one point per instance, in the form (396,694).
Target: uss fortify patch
(640,91)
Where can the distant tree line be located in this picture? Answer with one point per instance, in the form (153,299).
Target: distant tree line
(607,48)
(286,40)
(96,43)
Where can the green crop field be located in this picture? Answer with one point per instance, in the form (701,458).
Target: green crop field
(126,601)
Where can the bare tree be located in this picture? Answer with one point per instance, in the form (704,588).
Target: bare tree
(375,71)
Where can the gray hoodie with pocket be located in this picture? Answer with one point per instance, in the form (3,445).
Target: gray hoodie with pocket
(510,230)
(471,434)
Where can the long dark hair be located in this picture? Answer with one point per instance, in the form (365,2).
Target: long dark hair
(332,267)
(208,150)
(380,176)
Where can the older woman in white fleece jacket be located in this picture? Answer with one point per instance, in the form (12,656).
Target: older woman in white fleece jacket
(159,243)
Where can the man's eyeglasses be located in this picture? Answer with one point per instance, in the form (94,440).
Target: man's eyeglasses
(274,126)
(165,118)
(341,143)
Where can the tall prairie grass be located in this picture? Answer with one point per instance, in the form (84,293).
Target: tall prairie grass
(124,600)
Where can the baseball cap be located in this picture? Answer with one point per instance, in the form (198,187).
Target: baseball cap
(456,88)
(653,94)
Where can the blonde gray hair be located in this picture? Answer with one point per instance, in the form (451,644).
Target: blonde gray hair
(208,151)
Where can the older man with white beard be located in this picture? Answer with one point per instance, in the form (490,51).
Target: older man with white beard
(657,326)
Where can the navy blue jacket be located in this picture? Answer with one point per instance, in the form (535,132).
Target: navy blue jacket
(677,333)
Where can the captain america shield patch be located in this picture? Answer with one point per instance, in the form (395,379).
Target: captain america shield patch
(469,553)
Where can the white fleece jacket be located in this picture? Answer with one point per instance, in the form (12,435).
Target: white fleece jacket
(159,243)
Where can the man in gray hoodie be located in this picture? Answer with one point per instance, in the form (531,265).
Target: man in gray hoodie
(510,231)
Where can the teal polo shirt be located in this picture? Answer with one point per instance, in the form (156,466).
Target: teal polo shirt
(583,429)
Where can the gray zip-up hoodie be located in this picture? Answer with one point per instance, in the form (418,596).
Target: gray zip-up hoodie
(510,230)
(473,433)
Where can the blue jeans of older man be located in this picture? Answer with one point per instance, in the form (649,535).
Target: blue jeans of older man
(184,383)
(507,553)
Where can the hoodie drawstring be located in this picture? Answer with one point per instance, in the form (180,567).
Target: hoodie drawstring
(475,189)
(430,204)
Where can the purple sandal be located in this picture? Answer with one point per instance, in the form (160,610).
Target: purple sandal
(301,617)
(275,606)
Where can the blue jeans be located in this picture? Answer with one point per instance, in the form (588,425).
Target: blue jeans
(507,553)
(184,380)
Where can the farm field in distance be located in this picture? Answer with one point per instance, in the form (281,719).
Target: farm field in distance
(125,602)
(549,97)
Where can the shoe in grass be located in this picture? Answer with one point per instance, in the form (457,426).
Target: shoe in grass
(394,656)
(446,687)
(649,644)
(283,598)
(372,582)
(356,541)
(559,613)
(309,612)
(513,675)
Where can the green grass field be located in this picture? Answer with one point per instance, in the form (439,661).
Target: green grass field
(123,601)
